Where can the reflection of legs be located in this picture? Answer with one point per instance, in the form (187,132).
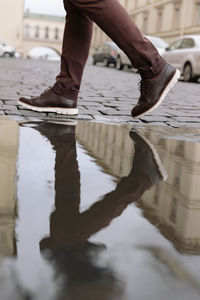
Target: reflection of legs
(68,226)
(147,170)
(76,44)
(67,185)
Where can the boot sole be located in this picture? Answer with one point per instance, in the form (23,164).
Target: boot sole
(156,157)
(159,164)
(58,110)
(169,86)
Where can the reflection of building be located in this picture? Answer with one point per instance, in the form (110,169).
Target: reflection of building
(8,155)
(11,16)
(164,18)
(110,145)
(173,206)
(42,30)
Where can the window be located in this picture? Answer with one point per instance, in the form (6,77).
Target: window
(198,13)
(159,19)
(56,34)
(27,30)
(145,22)
(177,18)
(136,3)
(37,31)
(46,35)
(176,45)
(126,4)
(187,43)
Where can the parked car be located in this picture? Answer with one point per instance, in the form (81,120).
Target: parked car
(109,53)
(123,60)
(184,54)
(6,50)
(106,54)
(43,53)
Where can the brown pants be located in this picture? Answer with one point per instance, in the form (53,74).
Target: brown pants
(113,19)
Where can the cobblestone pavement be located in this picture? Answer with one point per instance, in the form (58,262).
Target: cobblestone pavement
(106,94)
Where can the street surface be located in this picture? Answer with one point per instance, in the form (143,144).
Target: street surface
(106,94)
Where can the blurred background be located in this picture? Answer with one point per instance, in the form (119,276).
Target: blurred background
(34,29)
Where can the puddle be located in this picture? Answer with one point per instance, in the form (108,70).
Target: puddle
(96,211)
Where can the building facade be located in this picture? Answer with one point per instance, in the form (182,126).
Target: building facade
(11,16)
(24,30)
(42,30)
(167,19)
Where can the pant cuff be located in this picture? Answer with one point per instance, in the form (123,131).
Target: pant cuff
(151,72)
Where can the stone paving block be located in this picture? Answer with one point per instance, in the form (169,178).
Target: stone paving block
(105,93)
(151,119)
(94,112)
(188,119)
(24,112)
(9,107)
(12,113)
(9,102)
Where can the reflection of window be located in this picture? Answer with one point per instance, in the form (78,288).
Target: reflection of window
(187,43)
(177,175)
(56,34)
(37,30)
(26,30)
(46,32)
(173,210)
(156,197)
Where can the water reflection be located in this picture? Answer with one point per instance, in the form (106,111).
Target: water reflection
(8,155)
(173,207)
(70,230)
(83,255)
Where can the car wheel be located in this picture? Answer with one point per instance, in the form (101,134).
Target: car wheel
(105,62)
(6,54)
(187,72)
(119,65)
(94,61)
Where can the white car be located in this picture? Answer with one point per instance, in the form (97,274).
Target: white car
(184,54)
(44,53)
(6,50)
(123,60)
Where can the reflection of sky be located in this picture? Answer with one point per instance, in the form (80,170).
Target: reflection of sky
(51,7)
(136,251)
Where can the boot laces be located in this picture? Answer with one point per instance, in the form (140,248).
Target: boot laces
(144,90)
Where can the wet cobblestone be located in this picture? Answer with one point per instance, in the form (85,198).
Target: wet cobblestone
(106,94)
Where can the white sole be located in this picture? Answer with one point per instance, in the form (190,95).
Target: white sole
(170,85)
(58,110)
(71,123)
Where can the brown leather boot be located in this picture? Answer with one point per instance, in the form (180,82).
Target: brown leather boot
(153,91)
(49,101)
